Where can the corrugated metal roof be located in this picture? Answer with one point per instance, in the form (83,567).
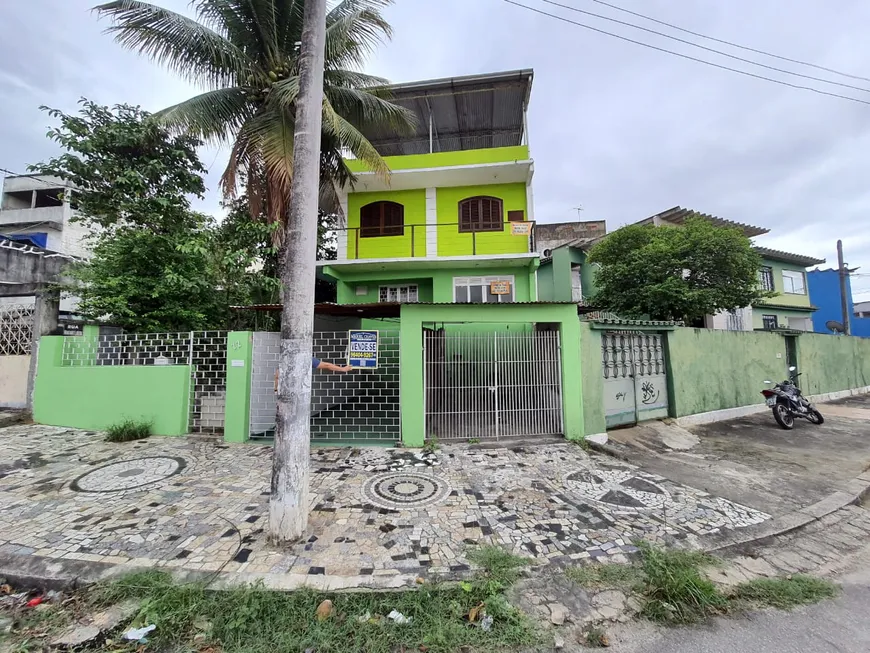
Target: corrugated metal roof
(678,215)
(472,112)
(788,257)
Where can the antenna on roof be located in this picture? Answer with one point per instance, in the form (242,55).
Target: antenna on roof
(578,209)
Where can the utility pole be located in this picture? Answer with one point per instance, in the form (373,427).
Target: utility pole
(288,503)
(844,297)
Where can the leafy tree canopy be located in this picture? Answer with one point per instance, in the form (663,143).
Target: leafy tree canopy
(675,273)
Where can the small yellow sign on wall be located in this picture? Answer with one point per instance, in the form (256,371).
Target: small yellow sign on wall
(500,287)
(521,228)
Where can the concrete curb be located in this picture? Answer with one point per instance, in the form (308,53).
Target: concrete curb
(858,489)
(31,572)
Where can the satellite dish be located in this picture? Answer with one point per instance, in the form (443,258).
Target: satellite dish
(547,253)
(836,327)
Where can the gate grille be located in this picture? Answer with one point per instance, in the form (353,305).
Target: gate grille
(16,329)
(492,385)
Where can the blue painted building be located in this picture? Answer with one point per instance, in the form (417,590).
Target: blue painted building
(824,286)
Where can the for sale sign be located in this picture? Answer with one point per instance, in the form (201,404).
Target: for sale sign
(363,349)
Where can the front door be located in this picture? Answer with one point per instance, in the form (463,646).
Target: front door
(635,379)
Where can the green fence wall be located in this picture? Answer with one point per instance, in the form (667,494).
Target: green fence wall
(593,384)
(95,397)
(830,363)
(712,370)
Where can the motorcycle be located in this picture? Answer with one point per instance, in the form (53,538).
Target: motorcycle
(787,402)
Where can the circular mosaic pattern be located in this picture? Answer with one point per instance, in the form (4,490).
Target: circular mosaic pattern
(128,474)
(405,490)
(618,489)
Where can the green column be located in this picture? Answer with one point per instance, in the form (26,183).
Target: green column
(572,385)
(411,377)
(237,405)
(49,354)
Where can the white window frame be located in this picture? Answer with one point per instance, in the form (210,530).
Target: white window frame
(484,283)
(788,282)
(408,293)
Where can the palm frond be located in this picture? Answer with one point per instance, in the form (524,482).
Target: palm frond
(355,79)
(365,109)
(229,18)
(183,45)
(354,28)
(350,137)
(214,116)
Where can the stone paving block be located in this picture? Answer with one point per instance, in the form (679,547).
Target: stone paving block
(199,505)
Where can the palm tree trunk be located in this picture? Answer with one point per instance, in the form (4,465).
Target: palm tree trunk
(288,505)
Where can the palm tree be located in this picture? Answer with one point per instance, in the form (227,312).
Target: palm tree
(263,78)
(246,52)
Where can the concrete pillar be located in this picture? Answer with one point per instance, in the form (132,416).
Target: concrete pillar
(46,312)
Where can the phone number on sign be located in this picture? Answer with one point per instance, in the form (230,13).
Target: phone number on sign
(364,346)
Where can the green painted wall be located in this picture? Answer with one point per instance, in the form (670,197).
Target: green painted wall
(95,397)
(442,281)
(237,409)
(593,381)
(414,202)
(453,243)
(414,316)
(712,370)
(829,363)
(347,289)
(448,159)
(783,297)
(782,315)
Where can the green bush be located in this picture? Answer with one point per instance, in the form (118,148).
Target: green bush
(128,430)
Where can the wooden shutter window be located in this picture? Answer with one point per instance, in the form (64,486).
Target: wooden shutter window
(516,216)
(382,219)
(481,214)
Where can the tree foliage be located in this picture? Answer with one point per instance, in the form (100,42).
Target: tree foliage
(246,52)
(133,180)
(157,265)
(675,273)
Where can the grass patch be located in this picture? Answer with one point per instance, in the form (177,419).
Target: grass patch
(786,593)
(128,430)
(252,619)
(606,575)
(674,590)
(499,566)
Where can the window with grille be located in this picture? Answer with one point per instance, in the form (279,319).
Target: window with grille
(769,322)
(481,214)
(478,290)
(382,219)
(793,282)
(404,294)
(766,276)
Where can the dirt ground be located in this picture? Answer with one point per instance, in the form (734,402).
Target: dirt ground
(753,461)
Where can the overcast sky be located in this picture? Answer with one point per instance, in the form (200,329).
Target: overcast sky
(621,130)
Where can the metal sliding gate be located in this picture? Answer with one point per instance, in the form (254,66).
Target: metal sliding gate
(492,384)
(359,407)
(635,378)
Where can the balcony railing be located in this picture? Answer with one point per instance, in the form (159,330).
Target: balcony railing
(443,238)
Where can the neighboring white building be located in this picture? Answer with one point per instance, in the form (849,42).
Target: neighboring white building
(37,209)
(862,309)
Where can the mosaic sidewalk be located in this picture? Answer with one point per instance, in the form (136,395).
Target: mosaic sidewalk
(375,513)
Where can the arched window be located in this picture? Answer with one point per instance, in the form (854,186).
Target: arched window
(481,214)
(382,219)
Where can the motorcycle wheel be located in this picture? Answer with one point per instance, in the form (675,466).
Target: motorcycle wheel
(815,417)
(783,417)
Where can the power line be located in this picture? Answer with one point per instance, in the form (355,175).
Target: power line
(704,47)
(42,181)
(686,56)
(731,43)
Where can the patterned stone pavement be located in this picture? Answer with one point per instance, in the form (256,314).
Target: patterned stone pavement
(376,513)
